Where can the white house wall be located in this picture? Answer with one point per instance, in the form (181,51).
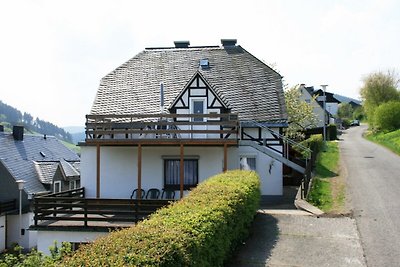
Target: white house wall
(47,238)
(271,183)
(29,239)
(118,167)
(2,233)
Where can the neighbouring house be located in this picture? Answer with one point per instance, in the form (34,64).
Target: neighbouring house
(45,165)
(166,120)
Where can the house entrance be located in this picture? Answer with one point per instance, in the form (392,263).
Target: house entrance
(198,106)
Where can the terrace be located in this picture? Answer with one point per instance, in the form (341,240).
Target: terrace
(70,210)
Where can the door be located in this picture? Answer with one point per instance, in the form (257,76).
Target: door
(198,106)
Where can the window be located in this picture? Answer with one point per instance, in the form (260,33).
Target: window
(57,187)
(248,163)
(172,173)
(74,184)
(198,108)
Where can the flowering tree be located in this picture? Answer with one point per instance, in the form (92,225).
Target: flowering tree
(300,114)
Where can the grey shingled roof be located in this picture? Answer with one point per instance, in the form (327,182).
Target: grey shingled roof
(248,86)
(46,171)
(21,157)
(68,169)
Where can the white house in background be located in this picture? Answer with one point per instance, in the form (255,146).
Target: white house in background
(169,118)
(44,164)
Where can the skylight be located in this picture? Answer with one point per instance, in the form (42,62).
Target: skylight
(204,64)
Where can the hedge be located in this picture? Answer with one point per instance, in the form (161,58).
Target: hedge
(315,142)
(202,229)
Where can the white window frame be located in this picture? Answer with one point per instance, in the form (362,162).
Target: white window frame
(59,186)
(252,156)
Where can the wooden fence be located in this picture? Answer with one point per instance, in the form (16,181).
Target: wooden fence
(72,206)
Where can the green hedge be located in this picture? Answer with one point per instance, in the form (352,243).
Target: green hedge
(202,229)
(331,131)
(315,142)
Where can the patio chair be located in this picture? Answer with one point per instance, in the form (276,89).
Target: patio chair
(153,193)
(134,194)
(168,194)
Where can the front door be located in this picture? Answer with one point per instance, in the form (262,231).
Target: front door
(198,106)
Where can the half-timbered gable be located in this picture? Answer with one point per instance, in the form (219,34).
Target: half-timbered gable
(198,97)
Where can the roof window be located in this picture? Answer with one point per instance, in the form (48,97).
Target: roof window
(204,63)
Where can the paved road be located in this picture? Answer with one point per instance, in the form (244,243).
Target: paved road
(374,187)
(288,238)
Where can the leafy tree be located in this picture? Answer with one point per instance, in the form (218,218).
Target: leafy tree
(300,114)
(358,113)
(345,110)
(378,88)
(28,119)
(387,116)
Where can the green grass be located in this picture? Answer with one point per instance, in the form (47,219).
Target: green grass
(390,140)
(72,147)
(326,167)
(327,161)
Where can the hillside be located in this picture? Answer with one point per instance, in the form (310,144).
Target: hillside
(10,116)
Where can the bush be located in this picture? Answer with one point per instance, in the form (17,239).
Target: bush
(202,229)
(315,143)
(387,116)
(331,132)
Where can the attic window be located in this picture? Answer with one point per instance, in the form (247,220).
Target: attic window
(42,154)
(204,64)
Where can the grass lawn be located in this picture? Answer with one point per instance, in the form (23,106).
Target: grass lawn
(390,140)
(72,147)
(328,189)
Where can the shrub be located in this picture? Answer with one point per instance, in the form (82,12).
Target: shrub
(202,229)
(331,132)
(315,142)
(387,116)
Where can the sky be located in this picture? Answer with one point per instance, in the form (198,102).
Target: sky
(54,53)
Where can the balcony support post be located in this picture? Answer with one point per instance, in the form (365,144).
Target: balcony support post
(225,157)
(181,171)
(98,171)
(139,171)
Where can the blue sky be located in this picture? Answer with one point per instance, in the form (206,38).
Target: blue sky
(54,53)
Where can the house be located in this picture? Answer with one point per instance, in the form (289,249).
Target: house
(45,165)
(169,118)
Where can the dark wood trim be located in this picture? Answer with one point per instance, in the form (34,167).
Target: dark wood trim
(97,171)
(181,170)
(139,174)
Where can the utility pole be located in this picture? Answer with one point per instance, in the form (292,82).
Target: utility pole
(324,101)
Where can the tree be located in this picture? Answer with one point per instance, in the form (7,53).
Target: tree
(378,88)
(345,111)
(387,116)
(300,114)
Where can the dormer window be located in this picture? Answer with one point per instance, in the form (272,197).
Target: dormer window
(204,64)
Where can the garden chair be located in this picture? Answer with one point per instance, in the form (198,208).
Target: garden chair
(153,193)
(135,195)
(168,194)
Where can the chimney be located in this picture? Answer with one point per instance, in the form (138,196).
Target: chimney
(181,44)
(18,133)
(228,42)
(1,128)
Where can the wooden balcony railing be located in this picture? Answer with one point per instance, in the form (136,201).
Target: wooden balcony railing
(8,206)
(76,208)
(162,126)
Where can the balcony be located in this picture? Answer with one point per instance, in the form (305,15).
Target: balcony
(70,210)
(202,129)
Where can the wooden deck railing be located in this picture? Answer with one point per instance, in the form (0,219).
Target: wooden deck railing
(74,208)
(162,126)
(7,206)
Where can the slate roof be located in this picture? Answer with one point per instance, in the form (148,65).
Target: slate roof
(248,86)
(22,157)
